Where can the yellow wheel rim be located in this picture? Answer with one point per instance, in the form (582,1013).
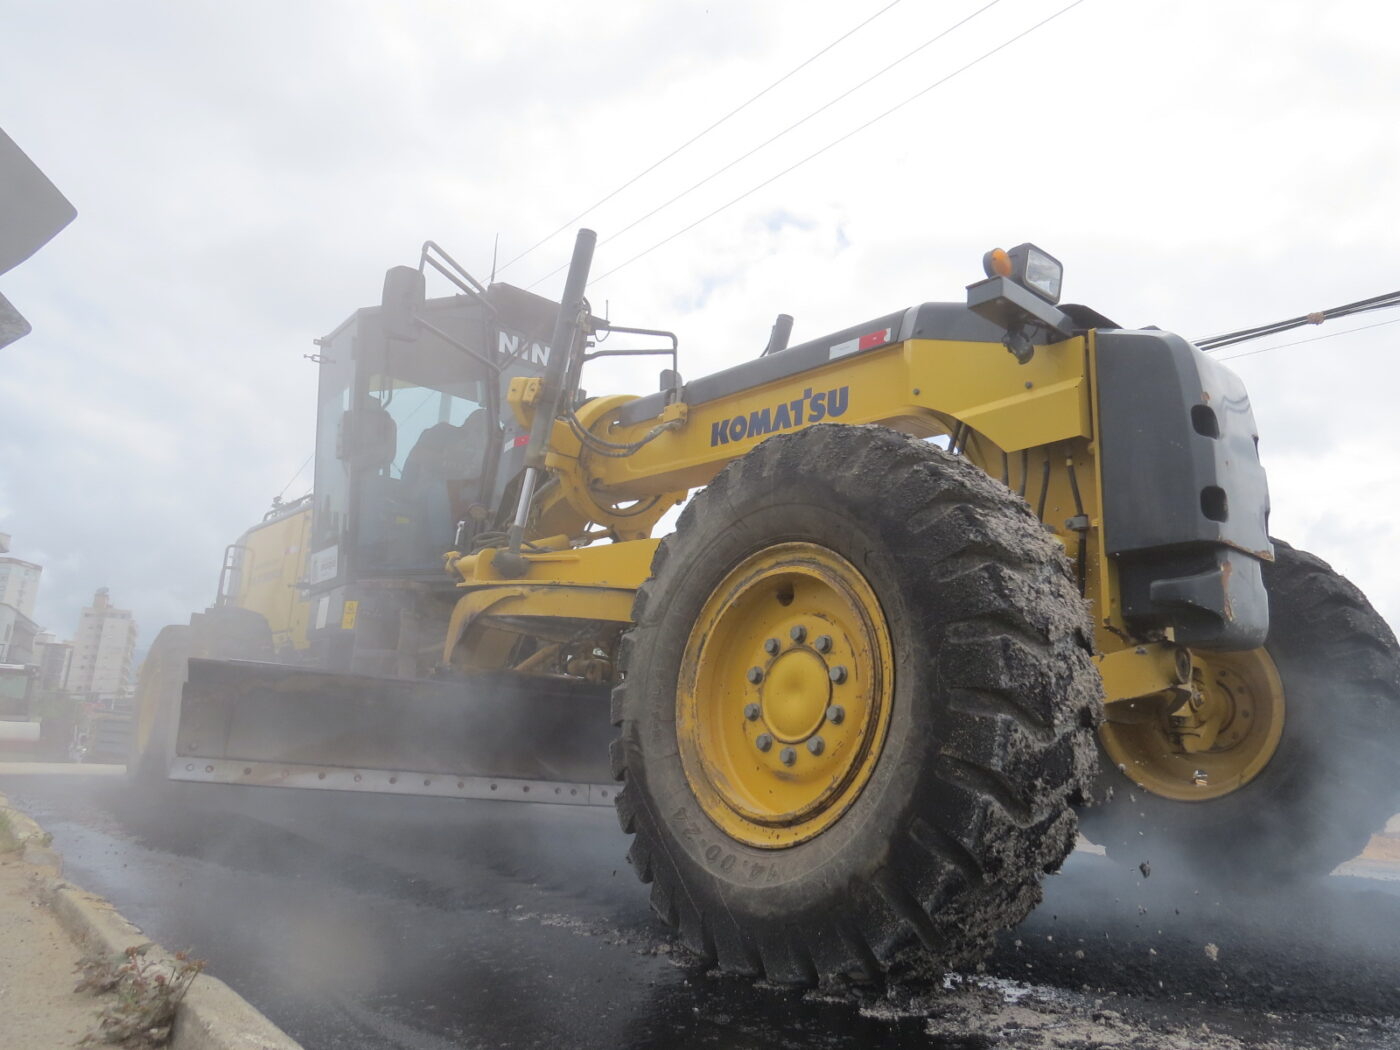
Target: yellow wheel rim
(1207,746)
(784,696)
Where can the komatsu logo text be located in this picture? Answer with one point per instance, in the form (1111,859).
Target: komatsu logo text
(809,408)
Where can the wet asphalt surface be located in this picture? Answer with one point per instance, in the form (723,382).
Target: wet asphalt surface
(358,921)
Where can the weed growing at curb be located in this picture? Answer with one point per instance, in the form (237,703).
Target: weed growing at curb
(146,991)
(12,841)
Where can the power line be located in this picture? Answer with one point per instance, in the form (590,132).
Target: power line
(1361,306)
(1314,339)
(836,142)
(791,127)
(699,135)
(294,477)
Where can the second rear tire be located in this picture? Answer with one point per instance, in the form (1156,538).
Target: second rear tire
(1324,696)
(220,632)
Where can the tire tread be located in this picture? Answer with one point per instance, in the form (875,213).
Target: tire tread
(1018,680)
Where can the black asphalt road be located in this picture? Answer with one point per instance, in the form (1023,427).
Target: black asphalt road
(358,921)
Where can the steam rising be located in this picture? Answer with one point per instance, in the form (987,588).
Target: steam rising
(371,921)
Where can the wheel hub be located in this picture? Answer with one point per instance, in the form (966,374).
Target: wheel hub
(1212,740)
(794,695)
(784,694)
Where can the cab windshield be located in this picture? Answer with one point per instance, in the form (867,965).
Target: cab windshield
(424,434)
(425,419)
(405,434)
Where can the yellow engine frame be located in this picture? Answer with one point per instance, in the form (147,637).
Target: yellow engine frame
(1033,425)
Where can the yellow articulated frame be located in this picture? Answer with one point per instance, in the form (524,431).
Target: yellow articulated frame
(607,566)
(922,387)
(588,584)
(573,501)
(1029,424)
(1144,671)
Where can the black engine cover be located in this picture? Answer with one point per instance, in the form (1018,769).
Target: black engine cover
(1186,502)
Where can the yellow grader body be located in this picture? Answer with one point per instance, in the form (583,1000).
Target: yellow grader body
(271,560)
(943,579)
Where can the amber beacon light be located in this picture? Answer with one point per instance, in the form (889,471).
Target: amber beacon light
(1033,269)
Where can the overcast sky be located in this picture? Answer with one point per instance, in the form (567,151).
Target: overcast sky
(244,174)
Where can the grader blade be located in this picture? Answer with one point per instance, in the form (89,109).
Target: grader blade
(495,735)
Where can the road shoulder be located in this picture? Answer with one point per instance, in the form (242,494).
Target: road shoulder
(47,926)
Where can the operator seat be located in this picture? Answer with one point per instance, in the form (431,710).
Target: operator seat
(440,476)
(445,452)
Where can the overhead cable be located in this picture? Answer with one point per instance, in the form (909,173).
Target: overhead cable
(699,135)
(791,127)
(837,141)
(1376,302)
(294,477)
(1314,339)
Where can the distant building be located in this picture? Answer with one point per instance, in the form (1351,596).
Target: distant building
(53,659)
(19,584)
(17,634)
(102,649)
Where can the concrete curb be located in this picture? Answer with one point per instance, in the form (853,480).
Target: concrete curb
(212,1016)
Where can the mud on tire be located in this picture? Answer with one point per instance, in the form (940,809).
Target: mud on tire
(990,739)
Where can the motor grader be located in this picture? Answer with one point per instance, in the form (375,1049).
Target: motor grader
(943,577)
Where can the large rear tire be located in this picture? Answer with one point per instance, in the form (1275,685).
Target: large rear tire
(220,633)
(157,703)
(1310,795)
(851,586)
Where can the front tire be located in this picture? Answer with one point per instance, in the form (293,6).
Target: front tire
(853,568)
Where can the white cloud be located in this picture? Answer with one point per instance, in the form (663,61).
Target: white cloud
(245,173)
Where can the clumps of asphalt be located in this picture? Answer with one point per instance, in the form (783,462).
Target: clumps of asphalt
(979,1011)
(1327,951)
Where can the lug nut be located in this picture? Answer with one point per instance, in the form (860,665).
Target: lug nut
(836,714)
(837,674)
(816,745)
(763,742)
(751,712)
(798,633)
(788,756)
(823,643)
(755,675)
(771,646)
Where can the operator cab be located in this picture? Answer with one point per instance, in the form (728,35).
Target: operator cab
(410,434)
